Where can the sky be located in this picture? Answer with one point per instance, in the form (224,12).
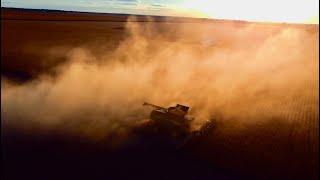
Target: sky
(290,11)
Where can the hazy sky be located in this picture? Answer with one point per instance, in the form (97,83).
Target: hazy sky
(298,11)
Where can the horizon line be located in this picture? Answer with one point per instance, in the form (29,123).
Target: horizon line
(159,16)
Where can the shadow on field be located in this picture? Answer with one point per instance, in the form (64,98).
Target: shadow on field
(35,156)
(249,154)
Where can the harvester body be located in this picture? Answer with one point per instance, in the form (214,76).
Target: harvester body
(175,122)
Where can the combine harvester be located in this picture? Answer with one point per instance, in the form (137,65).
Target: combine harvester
(174,122)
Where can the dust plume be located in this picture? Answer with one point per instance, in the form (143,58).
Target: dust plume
(221,71)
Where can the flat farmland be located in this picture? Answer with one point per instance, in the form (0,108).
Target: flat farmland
(74,82)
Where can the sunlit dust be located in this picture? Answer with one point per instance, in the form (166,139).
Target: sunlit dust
(291,11)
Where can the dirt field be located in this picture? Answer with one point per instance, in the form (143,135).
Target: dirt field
(263,90)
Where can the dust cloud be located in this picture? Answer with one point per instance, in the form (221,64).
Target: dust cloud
(221,71)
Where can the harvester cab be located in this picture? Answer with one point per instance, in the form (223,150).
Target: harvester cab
(179,110)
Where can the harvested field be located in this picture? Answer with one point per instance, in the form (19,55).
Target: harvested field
(73,85)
